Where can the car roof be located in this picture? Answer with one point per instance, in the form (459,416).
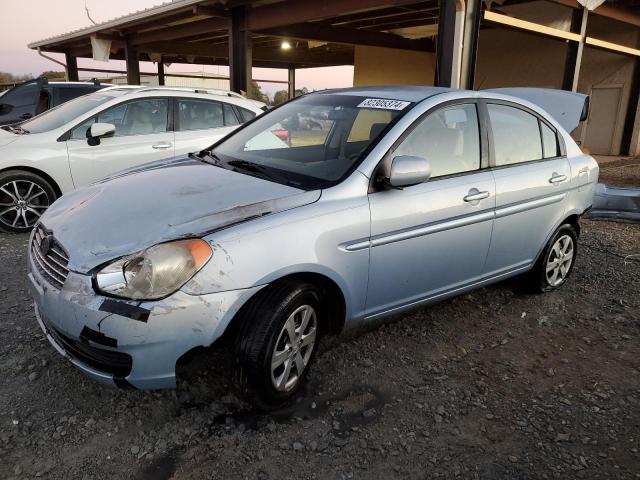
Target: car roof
(408,93)
(76,84)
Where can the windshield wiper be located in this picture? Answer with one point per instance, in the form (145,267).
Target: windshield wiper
(207,156)
(18,130)
(259,169)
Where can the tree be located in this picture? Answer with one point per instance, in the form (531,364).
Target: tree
(256,92)
(6,77)
(53,75)
(280,96)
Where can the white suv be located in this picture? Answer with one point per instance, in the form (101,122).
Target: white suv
(102,133)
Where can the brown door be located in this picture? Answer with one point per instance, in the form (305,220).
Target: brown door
(603,116)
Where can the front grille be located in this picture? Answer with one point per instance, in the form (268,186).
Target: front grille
(115,363)
(49,257)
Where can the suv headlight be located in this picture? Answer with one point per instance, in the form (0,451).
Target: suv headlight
(155,272)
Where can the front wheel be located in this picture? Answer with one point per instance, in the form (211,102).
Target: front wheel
(556,262)
(277,342)
(24,196)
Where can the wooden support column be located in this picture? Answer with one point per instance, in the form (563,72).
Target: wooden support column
(630,124)
(292,82)
(473,15)
(445,43)
(160,72)
(133,64)
(240,60)
(573,59)
(72,67)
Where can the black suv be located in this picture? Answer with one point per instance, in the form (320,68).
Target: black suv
(36,96)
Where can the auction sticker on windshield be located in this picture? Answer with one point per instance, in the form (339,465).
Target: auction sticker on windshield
(384,104)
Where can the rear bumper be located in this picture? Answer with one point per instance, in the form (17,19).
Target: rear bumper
(616,203)
(126,343)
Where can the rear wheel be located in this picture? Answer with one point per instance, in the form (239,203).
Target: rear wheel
(24,196)
(556,262)
(277,342)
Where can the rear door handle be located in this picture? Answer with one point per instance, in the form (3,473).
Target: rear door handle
(555,178)
(161,146)
(475,195)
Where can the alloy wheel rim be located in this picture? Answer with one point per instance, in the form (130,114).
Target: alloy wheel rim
(559,260)
(22,202)
(293,348)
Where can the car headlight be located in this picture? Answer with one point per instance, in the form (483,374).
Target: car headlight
(155,272)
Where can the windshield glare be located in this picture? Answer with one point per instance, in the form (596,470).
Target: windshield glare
(67,112)
(313,142)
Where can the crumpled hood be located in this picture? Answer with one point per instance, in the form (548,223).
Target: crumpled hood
(7,137)
(162,201)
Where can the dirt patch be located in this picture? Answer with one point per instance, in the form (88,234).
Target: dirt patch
(624,172)
(491,384)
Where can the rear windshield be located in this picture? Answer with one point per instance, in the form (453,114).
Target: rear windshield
(311,142)
(67,112)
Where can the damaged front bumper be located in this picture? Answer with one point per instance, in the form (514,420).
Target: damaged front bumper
(127,343)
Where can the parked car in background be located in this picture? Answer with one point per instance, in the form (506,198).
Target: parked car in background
(99,134)
(394,197)
(34,97)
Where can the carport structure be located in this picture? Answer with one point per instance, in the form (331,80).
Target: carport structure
(387,41)
(242,34)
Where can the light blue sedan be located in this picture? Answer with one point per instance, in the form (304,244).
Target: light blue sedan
(378,200)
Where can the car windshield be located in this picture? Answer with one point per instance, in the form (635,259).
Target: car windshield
(66,112)
(312,142)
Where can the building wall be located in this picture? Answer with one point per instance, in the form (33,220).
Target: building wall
(171,81)
(389,66)
(509,58)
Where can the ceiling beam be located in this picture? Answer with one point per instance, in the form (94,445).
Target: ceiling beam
(300,11)
(179,31)
(296,55)
(614,13)
(350,36)
(210,12)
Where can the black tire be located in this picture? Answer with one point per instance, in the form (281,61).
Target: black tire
(16,215)
(537,280)
(262,324)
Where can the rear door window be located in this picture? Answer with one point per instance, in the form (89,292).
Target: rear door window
(246,114)
(516,135)
(196,114)
(230,117)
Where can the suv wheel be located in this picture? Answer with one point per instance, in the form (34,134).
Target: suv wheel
(556,262)
(277,342)
(24,196)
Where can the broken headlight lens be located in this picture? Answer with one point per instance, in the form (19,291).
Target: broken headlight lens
(155,272)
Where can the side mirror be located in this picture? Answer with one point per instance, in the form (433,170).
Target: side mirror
(98,131)
(408,170)
(5,108)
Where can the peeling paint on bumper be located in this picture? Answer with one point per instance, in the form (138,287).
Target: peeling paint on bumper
(174,326)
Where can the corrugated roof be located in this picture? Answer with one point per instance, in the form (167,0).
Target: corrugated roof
(118,22)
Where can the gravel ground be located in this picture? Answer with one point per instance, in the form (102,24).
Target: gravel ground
(491,384)
(624,172)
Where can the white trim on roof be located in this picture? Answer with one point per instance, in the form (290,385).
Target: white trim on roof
(117,22)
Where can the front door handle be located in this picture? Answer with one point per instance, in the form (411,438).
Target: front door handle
(26,116)
(555,178)
(162,146)
(475,195)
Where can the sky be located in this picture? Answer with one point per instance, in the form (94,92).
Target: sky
(25,21)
